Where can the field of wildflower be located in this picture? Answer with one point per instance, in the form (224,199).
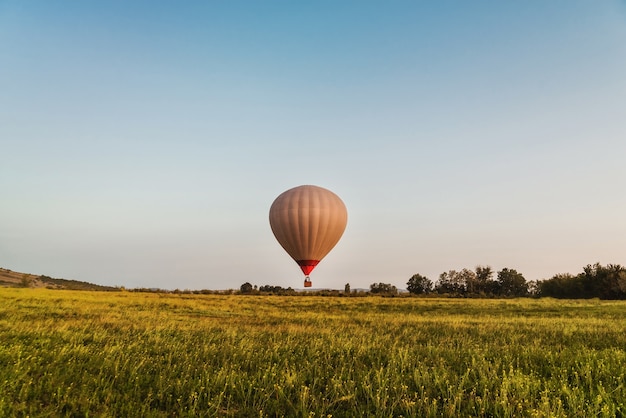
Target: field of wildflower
(87,353)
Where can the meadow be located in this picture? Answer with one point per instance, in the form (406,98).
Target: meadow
(85,353)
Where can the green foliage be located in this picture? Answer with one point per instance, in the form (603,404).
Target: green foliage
(246,288)
(453,282)
(468,283)
(419,284)
(383,289)
(75,284)
(484,281)
(596,281)
(511,283)
(276,290)
(66,353)
(26,281)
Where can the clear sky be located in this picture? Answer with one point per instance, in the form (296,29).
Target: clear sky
(142,143)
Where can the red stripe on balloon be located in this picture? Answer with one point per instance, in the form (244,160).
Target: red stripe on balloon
(307,266)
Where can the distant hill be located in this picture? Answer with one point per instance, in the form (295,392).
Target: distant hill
(9,278)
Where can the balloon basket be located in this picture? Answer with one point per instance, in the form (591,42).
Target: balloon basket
(308,283)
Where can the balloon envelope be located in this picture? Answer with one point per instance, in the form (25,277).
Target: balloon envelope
(308,221)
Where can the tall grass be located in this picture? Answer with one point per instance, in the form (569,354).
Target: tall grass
(66,353)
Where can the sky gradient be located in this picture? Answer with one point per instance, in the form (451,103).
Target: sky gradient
(142,145)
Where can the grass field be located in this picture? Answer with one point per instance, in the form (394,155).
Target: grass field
(73,353)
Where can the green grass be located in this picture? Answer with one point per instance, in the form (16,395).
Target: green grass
(69,353)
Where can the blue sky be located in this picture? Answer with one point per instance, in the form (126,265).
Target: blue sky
(142,145)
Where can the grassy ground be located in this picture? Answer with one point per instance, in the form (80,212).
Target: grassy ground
(70,353)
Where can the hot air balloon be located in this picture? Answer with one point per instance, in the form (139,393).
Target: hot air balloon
(308,221)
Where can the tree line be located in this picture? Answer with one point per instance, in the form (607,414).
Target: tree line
(479,282)
(595,281)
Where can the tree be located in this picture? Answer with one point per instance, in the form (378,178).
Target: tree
(26,280)
(346,289)
(276,290)
(450,282)
(604,282)
(596,281)
(383,288)
(533,288)
(484,280)
(245,288)
(419,284)
(467,279)
(562,285)
(511,283)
